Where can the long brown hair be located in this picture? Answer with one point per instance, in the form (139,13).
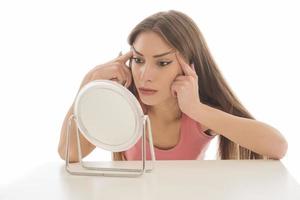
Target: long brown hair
(181,33)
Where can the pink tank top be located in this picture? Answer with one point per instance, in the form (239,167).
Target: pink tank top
(192,144)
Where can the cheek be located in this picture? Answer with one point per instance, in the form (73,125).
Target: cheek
(134,73)
(168,84)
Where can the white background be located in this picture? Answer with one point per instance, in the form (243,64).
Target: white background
(46,48)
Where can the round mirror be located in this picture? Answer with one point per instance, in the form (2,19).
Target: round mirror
(109,115)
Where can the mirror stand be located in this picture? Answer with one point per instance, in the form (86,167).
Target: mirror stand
(82,167)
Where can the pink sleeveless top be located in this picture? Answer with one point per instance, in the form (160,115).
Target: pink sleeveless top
(192,144)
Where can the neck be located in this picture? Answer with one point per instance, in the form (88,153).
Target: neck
(166,112)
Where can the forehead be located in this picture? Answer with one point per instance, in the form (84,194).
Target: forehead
(151,43)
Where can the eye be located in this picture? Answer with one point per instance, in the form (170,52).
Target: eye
(164,63)
(137,60)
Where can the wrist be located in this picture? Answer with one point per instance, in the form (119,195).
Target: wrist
(197,110)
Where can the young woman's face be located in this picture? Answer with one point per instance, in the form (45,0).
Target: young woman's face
(154,66)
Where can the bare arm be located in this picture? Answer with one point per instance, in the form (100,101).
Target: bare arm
(114,70)
(86,146)
(252,134)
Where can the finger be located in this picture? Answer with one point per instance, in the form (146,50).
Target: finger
(174,88)
(181,63)
(120,76)
(181,78)
(124,76)
(118,80)
(173,91)
(124,58)
(129,76)
(187,70)
(191,69)
(128,72)
(193,66)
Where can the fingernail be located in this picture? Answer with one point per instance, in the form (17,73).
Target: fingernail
(193,67)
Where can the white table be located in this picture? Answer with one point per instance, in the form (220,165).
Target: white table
(184,180)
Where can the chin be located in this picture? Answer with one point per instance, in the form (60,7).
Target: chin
(148,102)
(152,101)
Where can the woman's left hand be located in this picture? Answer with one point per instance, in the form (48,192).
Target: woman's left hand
(185,87)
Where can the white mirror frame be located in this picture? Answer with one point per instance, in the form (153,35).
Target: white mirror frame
(141,122)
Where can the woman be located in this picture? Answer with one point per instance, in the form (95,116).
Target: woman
(188,101)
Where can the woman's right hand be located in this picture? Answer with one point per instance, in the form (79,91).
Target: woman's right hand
(115,70)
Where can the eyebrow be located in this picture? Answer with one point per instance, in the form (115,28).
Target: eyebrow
(155,56)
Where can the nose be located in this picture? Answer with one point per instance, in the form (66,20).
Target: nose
(147,73)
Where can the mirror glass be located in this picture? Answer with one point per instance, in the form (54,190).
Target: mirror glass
(109,115)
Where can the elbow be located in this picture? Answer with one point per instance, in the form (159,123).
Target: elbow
(72,157)
(280,150)
(61,153)
(283,149)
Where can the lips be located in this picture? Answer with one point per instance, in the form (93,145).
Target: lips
(147,91)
